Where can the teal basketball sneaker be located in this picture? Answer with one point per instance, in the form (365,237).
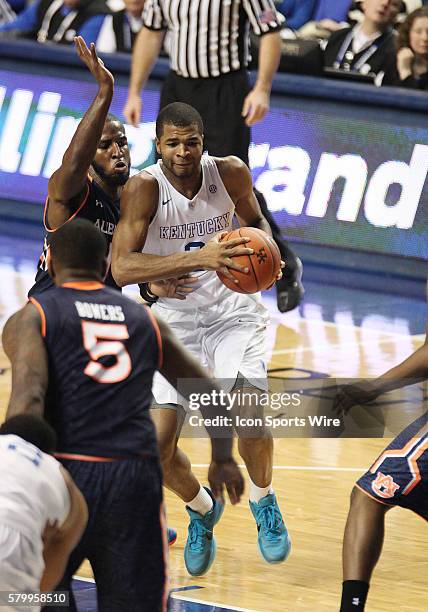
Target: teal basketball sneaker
(200,549)
(273,540)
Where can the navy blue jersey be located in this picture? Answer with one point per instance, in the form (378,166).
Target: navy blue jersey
(98,208)
(103,350)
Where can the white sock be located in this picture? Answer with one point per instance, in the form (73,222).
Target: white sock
(257,493)
(202,503)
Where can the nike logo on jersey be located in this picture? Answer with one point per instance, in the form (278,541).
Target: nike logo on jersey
(166,201)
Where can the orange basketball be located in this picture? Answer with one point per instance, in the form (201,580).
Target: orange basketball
(264,264)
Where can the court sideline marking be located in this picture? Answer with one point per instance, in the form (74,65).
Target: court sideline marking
(179,597)
(309,468)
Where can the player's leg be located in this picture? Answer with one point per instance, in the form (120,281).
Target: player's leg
(255,446)
(239,331)
(362,546)
(203,510)
(176,467)
(390,481)
(81,472)
(129,549)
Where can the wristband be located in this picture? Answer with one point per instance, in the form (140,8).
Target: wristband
(146,294)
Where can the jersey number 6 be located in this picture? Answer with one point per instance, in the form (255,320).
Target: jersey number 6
(103,340)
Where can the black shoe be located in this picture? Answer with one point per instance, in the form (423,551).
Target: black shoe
(290,291)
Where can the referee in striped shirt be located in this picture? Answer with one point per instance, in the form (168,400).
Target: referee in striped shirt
(208,45)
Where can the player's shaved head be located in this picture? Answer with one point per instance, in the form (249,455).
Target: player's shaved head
(113,119)
(178,114)
(33,429)
(78,245)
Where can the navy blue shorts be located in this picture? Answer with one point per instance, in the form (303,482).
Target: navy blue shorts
(399,477)
(125,539)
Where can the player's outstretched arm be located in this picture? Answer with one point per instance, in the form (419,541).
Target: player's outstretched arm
(178,364)
(412,370)
(69,181)
(145,52)
(138,204)
(59,541)
(29,366)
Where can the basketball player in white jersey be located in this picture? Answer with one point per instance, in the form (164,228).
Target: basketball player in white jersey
(42,512)
(171,216)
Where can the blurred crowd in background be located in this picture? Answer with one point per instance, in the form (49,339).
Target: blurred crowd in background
(381,42)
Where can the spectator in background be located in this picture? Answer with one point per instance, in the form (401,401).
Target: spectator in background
(412,55)
(368,47)
(328,16)
(120,29)
(48,20)
(356,12)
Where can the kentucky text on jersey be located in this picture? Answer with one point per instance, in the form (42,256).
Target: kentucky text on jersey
(199,228)
(104,312)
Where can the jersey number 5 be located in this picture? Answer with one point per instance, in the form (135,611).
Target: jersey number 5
(103,340)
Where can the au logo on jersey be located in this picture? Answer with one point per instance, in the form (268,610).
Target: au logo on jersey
(384,485)
(212,188)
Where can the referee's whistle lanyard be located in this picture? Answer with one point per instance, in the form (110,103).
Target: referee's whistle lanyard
(346,53)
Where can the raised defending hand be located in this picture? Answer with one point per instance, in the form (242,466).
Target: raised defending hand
(95,65)
(178,288)
(227,473)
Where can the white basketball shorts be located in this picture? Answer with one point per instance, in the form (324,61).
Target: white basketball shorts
(226,337)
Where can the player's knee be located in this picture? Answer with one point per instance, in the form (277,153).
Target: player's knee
(362,503)
(249,416)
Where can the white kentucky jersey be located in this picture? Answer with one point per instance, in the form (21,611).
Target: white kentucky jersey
(181,224)
(32,488)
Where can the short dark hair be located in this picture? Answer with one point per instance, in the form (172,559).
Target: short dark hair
(112,118)
(33,429)
(79,244)
(179,114)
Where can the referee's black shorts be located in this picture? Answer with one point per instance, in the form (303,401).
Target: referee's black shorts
(124,540)
(219,101)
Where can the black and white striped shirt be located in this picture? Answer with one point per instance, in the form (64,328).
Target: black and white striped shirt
(210,37)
